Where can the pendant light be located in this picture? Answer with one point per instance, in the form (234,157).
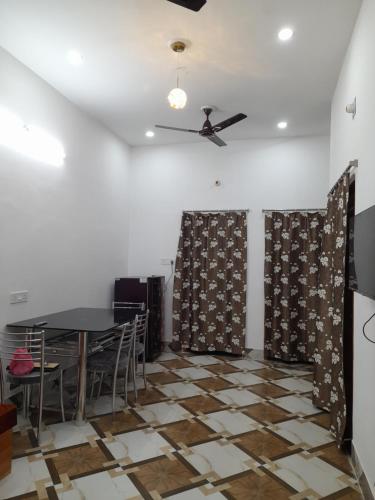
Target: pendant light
(177,97)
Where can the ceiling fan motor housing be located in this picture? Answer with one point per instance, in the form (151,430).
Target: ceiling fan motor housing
(207,127)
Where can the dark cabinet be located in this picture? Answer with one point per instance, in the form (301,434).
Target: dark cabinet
(150,290)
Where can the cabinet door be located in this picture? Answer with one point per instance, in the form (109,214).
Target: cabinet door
(156,310)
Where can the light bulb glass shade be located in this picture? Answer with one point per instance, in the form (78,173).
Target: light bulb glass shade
(177,98)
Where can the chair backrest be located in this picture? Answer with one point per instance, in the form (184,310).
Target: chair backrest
(33,342)
(141,322)
(128,305)
(126,342)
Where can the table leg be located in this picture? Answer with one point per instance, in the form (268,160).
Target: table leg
(81,389)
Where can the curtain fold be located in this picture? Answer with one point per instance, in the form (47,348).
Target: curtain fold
(209,296)
(328,389)
(292,250)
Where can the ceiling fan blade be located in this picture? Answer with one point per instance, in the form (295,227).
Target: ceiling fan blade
(178,129)
(195,5)
(230,121)
(216,140)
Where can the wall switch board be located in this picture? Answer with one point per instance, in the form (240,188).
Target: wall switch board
(19,297)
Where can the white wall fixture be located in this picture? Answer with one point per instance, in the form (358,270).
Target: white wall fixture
(29,140)
(352,108)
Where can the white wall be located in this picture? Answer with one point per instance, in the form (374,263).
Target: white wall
(64,233)
(352,139)
(256,174)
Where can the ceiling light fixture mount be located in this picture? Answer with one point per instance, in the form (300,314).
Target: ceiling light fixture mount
(178,46)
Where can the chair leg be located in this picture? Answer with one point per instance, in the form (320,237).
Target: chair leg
(28,400)
(126,383)
(144,369)
(135,380)
(114,383)
(62,396)
(92,385)
(100,385)
(24,402)
(41,395)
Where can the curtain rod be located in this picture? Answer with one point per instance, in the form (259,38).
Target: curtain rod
(352,164)
(217,211)
(295,210)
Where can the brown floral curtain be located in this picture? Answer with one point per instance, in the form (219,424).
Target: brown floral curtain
(293,245)
(329,390)
(209,297)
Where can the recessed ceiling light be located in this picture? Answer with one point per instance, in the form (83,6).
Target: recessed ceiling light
(286,34)
(282,125)
(150,134)
(74,58)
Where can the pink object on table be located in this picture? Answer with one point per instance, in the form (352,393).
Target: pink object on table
(21,362)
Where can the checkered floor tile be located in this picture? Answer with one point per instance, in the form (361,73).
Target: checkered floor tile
(207,426)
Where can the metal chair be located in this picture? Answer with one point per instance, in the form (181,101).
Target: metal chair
(114,362)
(34,342)
(140,342)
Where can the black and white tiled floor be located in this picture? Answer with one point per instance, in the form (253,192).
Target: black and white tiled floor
(208,426)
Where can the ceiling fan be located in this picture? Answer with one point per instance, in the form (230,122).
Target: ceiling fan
(209,130)
(195,5)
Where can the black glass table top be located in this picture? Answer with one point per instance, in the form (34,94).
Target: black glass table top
(80,319)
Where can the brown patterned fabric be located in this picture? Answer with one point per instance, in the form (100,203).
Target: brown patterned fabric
(209,299)
(293,244)
(328,390)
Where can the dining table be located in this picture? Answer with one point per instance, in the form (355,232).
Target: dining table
(89,323)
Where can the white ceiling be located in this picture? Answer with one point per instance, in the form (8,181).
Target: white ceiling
(235,61)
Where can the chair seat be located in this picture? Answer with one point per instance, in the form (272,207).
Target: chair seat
(105,361)
(33,377)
